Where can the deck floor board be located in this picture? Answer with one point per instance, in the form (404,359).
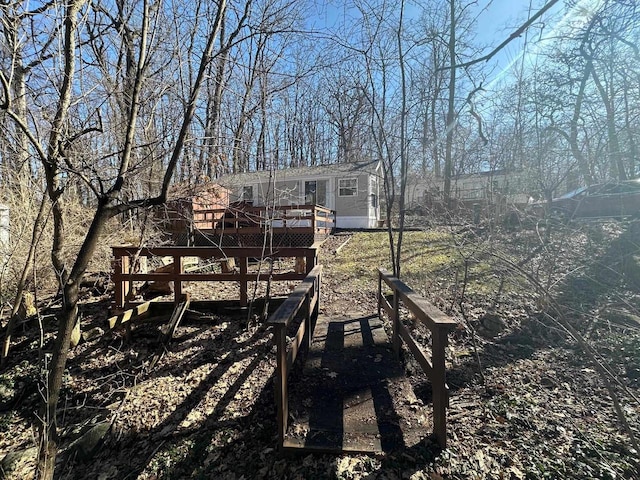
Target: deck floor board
(351,395)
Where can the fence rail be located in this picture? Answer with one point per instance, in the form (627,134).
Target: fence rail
(438,323)
(250,219)
(126,266)
(305,298)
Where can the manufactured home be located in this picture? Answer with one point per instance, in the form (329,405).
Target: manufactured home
(352,190)
(485,188)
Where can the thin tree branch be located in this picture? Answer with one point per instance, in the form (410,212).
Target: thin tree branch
(506,42)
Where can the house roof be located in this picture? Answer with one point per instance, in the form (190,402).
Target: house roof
(332,170)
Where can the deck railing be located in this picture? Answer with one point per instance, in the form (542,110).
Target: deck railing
(439,324)
(250,219)
(305,298)
(126,270)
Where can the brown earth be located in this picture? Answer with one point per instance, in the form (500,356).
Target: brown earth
(207,409)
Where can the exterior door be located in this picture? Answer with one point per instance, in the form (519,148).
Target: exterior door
(374,201)
(315,192)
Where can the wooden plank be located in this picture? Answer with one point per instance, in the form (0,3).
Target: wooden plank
(177,281)
(121,267)
(291,305)
(211,252)
(207,277)
(139,311)
(428,313)
(313,301)
(174,321)
(285,313)
(419,306)
(417,351)
(176,317)
(347,398)
(342,245)
(296,342)
(387,307)
(255,230)
(440,393)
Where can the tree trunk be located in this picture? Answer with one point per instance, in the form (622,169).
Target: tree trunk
(613,143)
(67,321)
(448,162)
(404,162)
(583,165)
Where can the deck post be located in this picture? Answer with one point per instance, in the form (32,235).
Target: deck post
(244,268)
(121,267)
(177,281)
(312,258)
(438,380)
(118,290)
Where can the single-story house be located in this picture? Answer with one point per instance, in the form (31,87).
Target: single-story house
(352,190)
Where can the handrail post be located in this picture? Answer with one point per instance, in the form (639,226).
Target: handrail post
(282,402)
(395,338)
(440,397)
(440,325)
(316,311)
(379,294)
(307,315)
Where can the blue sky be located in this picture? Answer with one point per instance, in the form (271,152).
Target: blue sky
(556,20)
(495,21)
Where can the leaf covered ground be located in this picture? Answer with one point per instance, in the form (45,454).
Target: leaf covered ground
(526,401)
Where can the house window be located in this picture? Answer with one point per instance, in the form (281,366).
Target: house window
(315,192)
(348,187)
(247,193)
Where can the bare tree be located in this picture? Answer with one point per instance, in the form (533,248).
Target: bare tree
(61,158)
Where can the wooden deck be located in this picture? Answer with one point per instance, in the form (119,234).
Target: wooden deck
(245,225)
(351,395)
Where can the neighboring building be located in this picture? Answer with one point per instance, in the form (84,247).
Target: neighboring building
(351,189)
(487,188)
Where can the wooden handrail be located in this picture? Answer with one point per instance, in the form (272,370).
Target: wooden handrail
(306,298)
(440,325)
(256,216)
